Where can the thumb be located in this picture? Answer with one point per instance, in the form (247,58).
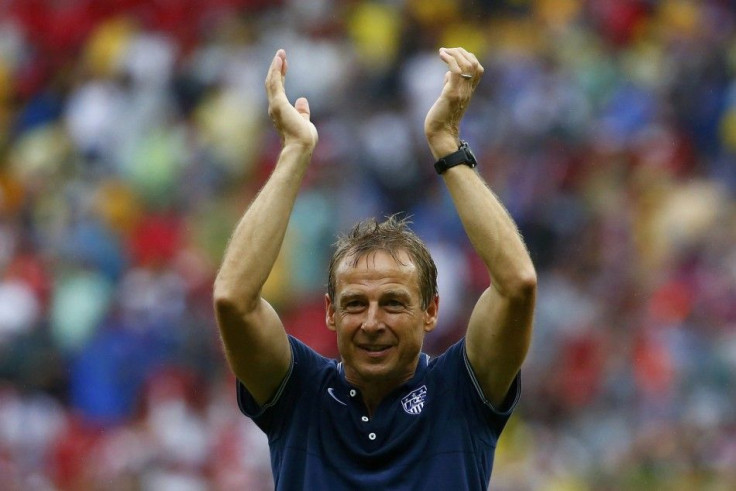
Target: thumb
(447,81)
(302,107)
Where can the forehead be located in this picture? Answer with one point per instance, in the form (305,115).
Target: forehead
(377,267)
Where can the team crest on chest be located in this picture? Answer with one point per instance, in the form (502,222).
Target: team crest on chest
(413,402)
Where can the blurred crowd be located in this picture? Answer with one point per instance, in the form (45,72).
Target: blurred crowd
(134,133)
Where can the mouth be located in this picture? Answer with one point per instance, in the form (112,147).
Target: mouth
(374,350)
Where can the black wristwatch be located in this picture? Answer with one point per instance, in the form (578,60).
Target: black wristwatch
(463,156)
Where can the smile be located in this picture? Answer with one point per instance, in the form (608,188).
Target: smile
(373,349)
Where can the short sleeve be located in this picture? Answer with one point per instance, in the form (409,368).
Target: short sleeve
(459,376)
(512,397)
(305,364)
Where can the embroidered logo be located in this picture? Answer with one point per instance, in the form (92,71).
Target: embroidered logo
(413,402)
(331,391)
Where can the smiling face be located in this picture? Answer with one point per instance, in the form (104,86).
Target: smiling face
(378,317)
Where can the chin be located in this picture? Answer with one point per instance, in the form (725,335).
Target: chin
(374,372)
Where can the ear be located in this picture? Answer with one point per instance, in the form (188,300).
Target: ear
(329,313)
(430,314)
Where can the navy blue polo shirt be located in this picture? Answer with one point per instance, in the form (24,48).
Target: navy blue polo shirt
(436,431)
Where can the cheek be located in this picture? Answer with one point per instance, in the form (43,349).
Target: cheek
(345,324)
(416,332)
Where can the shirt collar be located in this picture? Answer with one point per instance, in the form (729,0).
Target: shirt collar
(422,365)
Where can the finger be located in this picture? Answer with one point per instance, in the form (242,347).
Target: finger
(458,62)
(285,67)
(302,107)
(447,56)
(475,69)
(473,60)
(276,74)
(466,65)
(281,53)
(463,60)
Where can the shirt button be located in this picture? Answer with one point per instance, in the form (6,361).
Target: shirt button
(352,392)
(365,419)
(371,436)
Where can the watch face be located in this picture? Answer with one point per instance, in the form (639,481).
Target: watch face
(470,154)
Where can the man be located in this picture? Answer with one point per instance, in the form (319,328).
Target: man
(385,417)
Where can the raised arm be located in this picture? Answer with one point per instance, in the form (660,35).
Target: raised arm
(499,329)
(256,345)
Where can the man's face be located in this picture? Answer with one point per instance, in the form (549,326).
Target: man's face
(378,317)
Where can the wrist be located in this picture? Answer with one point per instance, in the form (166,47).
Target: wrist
(441,145)
(298,147)
(463,155)
(295,154)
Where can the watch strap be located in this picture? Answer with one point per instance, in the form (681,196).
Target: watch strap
(463,155)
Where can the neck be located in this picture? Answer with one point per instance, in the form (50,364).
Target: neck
(374,391)
(373,396)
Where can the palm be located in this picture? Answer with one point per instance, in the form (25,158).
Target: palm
(442,124)
(447,111)
(292,122)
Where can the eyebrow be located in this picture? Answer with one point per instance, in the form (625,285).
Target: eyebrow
(394,293)
(404,295)
(347,296)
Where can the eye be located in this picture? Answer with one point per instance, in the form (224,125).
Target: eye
(394,304)
(353,305)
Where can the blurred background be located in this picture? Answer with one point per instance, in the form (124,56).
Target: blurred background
(133,134)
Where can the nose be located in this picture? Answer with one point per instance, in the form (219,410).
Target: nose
(372,321)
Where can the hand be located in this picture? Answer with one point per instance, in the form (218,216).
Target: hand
(442,124)
(292,122)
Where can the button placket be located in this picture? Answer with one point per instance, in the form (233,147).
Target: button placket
(365,419)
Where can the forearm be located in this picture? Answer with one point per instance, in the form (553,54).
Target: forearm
(256,241)
(499,328)
(491,231)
